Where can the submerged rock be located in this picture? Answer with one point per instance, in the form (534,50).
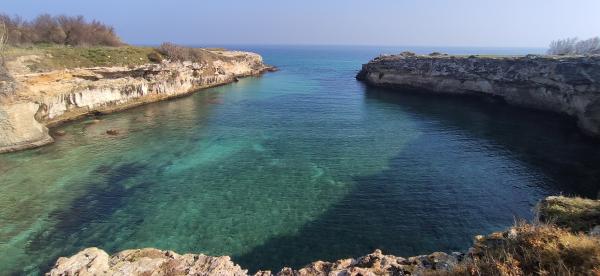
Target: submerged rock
(568,85)
(60,133)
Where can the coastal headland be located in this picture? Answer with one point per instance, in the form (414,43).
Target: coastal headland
(46,86)
(563,84)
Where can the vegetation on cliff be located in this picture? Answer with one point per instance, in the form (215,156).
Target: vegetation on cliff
(574,46)
(527,249)
(49,43)
(578,214)
(48,57)
(64,30)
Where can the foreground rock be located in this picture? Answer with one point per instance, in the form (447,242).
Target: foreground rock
(30,102)
(568,85)
(93,261)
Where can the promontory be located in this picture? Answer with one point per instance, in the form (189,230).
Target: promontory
(564,84)
(45,86)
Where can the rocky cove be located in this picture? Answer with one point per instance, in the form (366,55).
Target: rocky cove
(567,85)
(30,102)
(274,172)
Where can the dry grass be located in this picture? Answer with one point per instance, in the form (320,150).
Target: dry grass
(575,213)
(54,57)
(533,250)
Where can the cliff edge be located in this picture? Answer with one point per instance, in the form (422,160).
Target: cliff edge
(568,85)
(31,100)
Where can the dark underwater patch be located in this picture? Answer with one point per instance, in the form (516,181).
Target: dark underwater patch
(97,204)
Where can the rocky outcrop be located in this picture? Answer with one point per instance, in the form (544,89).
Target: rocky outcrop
(93,261)
(38,100)
(568,85)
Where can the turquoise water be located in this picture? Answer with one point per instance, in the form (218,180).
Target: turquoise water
(294,166)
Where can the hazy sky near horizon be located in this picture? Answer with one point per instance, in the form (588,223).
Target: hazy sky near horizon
(480,23)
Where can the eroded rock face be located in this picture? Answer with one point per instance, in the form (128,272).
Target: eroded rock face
(568,85)
(19,129)
(40,99)
(93,261)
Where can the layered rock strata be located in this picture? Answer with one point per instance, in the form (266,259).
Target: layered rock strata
(38,100)
(568,85)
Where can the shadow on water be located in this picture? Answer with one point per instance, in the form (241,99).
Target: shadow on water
(383,209)
(544,141)
(476,196)
(97,204)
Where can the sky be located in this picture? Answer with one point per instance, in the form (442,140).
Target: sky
(458,23)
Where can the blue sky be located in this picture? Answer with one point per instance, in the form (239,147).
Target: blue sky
(481,23)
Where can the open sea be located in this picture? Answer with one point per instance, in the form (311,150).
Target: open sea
(291,167)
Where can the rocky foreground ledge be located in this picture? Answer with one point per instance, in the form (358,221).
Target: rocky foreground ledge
(568,85)
(569,247)
(31,101)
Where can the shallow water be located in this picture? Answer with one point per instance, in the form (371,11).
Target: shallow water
(294,166)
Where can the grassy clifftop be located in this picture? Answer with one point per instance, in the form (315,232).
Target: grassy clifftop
(42,58)
(575,213)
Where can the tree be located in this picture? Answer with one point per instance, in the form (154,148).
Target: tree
(588,47)
(3,41)
(562,47)
(67,30)
(574,46)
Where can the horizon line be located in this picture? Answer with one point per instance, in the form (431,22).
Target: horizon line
(338,45)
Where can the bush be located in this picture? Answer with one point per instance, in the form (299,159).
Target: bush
(535,250)
(176,52)
(155,57)
(67,30)
(574,46)
(408,54)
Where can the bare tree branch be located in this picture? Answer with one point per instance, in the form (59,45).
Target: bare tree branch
(574,46)
(3,41)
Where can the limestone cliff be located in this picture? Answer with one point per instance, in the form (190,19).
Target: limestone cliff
(32,101)
(568,85)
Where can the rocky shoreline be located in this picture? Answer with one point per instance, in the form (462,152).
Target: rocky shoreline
(560,249)
(150,261)
(567,85)
(32,102)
